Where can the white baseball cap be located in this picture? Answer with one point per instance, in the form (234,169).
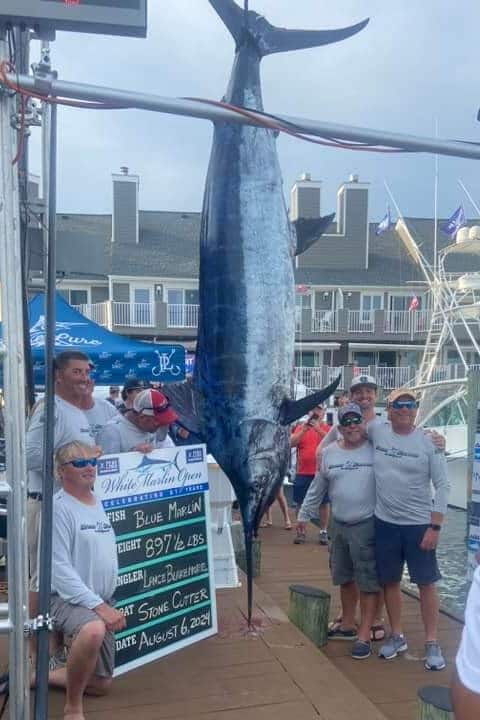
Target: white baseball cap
(363,380)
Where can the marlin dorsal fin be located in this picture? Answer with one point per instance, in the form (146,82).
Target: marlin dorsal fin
(292,410)
(309,230)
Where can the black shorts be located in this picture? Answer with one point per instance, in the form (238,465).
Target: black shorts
(397,544)
(301,483)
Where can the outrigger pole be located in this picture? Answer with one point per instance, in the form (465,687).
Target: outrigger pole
(209,110)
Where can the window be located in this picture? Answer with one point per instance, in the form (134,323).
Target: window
(182,307)
(141,305)
(372,302)
(75,297)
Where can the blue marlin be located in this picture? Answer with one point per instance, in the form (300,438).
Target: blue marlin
(242,386)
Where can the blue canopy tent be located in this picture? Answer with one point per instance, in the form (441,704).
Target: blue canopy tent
(115,357)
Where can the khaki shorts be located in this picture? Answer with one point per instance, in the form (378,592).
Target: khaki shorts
(70,619)
(352,555)
(34,514)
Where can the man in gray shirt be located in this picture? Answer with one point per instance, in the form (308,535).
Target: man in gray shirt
(346,472)
(84,577)
(407,521)
(143,428)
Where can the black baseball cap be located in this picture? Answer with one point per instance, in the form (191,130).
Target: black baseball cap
(133,383)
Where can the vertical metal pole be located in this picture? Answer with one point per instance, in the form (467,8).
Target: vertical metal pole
(22,65)
(45,566)
(14,387)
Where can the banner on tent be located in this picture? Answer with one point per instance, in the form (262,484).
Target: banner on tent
(159,508)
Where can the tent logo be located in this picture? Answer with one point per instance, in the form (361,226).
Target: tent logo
(62,336)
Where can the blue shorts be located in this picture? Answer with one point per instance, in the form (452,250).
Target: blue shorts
(397,544)
(301,483)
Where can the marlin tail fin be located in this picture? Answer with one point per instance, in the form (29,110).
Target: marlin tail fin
(291,410)
(309,231)
(270,39)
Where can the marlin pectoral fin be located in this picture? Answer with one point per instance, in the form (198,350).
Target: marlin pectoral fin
(291,410)
(309,231)
(187,403)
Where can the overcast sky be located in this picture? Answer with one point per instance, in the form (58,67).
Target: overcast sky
(415,64)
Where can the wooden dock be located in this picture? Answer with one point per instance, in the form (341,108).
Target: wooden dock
(278,674)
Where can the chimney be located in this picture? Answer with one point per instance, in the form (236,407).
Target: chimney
(125,218)
(305,198)
(352,215)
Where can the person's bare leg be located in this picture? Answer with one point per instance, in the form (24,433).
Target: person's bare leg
(430,608)
(282,501)
(324,516)
(79,671)
(466,704)
(393,603)
(349,598)
(368,605)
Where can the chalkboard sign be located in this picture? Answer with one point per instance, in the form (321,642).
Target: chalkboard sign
(158,505)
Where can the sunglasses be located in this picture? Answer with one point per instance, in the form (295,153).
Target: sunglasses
(407,404)
(82,462)
(351,421)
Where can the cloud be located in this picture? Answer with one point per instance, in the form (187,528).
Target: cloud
(414,65)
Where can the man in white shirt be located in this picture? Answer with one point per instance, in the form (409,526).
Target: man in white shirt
(98,411)
(143,428)
(72,371)
(466,682)
(84,577)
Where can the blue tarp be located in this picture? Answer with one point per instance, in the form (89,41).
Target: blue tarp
(115,357)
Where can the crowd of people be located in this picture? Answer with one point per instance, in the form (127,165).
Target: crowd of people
(366,481)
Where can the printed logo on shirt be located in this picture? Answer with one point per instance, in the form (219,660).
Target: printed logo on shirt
(108,466)
(350,465)
(394,452)
(100,526)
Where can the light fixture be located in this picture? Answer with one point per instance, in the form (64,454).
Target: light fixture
(325,294)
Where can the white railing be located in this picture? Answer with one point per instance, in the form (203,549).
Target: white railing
(98,312)
(182,316)
(324,321)
(393,377)
(421,321)
(133,314)
(361,321)
(398,321)
(316,378)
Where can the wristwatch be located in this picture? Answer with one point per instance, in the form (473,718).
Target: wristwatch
(437,528)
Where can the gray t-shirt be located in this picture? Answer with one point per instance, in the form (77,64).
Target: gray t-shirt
(70,424)
(405,466)
(84,553)
(99,415)
(120,435)
(348,477)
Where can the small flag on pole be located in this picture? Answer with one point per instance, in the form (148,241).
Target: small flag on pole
(384,224)
(454,223)
(302,289)
(414,303)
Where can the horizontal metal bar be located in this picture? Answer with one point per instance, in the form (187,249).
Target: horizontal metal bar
(203,110)
(6,627)
(3,610)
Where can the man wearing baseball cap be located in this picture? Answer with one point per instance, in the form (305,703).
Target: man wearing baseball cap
(407,522)
(346,472)
(142,428)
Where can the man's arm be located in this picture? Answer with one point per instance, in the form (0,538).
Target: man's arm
(109,439)
(65,579)
(298,434)
(34,438)
(466,681)
(439,477)
(314,496)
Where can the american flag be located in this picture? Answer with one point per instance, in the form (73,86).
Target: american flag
(414,303)
(302,289)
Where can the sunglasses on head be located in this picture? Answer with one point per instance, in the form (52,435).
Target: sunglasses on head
(399,404)
(82,462)
(351,421)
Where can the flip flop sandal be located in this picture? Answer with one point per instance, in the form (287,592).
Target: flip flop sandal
(377,633)
(288,526)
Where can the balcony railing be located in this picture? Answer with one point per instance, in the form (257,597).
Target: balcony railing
(324,321)
(98,312)
(315,378)
(133,314)
(398,322)
(182,316)
(361,321)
